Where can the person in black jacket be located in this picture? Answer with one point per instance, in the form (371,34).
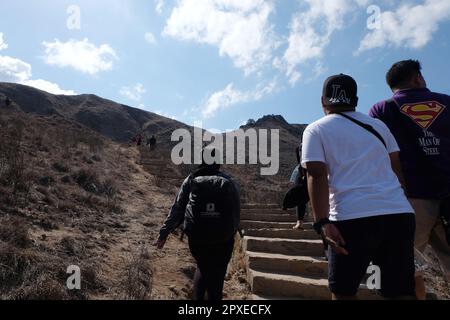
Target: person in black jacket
(298,177)
(152,142)
(210,243)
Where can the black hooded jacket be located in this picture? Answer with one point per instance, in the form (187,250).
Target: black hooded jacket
(177,213)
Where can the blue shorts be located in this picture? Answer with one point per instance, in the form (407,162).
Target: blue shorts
(386,241)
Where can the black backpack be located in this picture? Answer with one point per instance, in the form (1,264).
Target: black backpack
(212,213)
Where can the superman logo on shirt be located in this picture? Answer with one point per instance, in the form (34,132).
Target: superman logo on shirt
(423,113)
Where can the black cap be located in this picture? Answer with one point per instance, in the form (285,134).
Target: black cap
(340,90)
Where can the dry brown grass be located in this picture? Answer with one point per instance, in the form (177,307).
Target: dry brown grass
(236,285)
(137,276)
(14,173)
(24,272)
(45,189)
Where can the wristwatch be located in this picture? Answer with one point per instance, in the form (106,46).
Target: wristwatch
(318,225)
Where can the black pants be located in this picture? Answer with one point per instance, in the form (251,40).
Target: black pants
(388,242)
(212,262)
(301,211)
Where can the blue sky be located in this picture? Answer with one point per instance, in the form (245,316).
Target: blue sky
(220,61)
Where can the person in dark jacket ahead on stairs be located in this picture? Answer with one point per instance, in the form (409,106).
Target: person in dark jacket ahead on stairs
(208,206)
(298,177)
(152,142)
(358,202)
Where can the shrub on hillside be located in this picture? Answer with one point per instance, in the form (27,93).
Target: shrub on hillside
(46,181)
(15,173)
(60,167)
(12,157)
(15,232)
(137,276)
(87,179)
(108,188)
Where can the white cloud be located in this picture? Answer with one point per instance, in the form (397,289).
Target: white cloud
(230,96)
(294,77)
(319,70)
(17,71)
(14,70)
(150,38)
(133,93)
(239,28)
(311,31)
(410,26)
(3,44)
(47,86)
(159,5)
(81,55)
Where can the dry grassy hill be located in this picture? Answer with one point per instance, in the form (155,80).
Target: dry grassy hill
(110,119)
(74,192)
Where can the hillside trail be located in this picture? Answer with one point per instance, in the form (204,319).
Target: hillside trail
(145,209)
(173,267)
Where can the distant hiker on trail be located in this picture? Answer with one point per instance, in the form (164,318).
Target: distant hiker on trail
(7,102)
(420,121)
(137,139)
(152,142)
(298,180)
(358,203)
(208,205)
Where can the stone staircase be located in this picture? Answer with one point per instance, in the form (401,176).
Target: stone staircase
(283,263)
(154,163)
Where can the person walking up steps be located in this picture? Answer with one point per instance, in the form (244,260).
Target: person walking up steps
(419,119)
(358,203)
(152,143)
(298,178)
(208,205)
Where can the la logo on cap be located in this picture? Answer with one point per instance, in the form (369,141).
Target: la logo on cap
(339,95)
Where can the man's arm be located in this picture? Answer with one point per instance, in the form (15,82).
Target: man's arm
(318,189)
(176,214)
(397,168)
(319,196)
(377,111)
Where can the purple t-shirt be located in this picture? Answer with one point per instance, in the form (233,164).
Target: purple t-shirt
(420,121)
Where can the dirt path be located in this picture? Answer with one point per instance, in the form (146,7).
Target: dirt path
(129,245)
(115,250)
(173,267)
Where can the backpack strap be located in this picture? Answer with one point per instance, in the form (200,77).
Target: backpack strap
(366,126)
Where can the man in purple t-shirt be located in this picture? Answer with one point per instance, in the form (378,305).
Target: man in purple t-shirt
(420,121)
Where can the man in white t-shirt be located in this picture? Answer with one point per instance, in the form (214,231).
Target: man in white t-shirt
(358,202)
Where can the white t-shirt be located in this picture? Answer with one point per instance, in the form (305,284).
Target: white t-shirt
(361,180)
